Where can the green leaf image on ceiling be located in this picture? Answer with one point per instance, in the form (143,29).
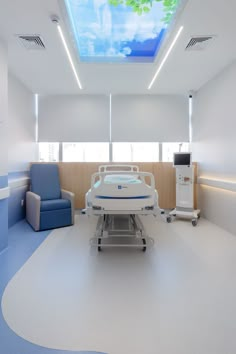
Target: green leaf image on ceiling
(129,31)
(144,6)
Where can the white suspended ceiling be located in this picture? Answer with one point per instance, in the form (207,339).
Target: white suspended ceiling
(47,71)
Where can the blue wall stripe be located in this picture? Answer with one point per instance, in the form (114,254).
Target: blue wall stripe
(16,211)
(18,174)
(3,223)
(3,181)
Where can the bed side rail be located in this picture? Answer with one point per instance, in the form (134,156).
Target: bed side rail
(142,175)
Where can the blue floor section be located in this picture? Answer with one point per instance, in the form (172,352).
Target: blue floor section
(22,242)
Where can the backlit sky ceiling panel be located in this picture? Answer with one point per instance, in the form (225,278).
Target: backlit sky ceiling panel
(119,30)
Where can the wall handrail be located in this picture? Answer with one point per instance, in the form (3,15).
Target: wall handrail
(218,183)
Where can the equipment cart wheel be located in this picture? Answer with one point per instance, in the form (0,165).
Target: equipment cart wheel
(99,243)
(168,219)
(194,222)
(144,242)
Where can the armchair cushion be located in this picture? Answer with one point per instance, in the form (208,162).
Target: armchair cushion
(55,204)
(51,219)
(45,181)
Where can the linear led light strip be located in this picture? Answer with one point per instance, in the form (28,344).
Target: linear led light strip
(55,20)
(165,57)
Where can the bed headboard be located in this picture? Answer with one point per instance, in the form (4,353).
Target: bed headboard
(110,168)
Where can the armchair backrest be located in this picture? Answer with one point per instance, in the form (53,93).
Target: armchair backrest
(45,181)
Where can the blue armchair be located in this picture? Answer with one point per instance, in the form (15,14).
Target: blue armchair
(47,205)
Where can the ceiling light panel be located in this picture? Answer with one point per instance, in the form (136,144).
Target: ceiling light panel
(60,31)
(120,30)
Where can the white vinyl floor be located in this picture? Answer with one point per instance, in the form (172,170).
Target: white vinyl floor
(177,298)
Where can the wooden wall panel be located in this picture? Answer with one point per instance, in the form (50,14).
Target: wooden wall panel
(76,177)
(164,174)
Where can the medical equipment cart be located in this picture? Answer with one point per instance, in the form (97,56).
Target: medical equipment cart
(184,189)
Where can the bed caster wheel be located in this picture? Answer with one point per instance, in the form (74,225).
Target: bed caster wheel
(99,247)
(144,242)
(198,216)
(168,219)
(194,222)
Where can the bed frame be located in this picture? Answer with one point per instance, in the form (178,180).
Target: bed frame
(119,194)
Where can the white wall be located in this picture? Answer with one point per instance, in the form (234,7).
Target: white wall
(21,126)
(3,109)
(214,145)
(3,147)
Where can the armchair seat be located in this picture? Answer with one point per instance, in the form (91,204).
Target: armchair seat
(51,219)
(47,205)
(54,204)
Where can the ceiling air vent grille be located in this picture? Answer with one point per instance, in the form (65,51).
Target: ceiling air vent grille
(199,43)
(31,41)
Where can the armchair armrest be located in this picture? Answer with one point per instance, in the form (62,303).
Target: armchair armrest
(70,196)
(33,209)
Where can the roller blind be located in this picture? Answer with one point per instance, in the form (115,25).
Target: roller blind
(72,118)
(150,118)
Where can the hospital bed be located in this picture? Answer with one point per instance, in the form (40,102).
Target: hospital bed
(119,194)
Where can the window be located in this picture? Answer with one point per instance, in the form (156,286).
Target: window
(135,152)
(168,150)
(85,152)
(99,152)
(48,152)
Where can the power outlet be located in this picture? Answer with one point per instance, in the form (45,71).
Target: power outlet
(22,202)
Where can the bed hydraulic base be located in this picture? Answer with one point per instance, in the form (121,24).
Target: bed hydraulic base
(116,230)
